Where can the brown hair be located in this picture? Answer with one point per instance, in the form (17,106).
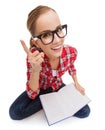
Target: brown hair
(33,16)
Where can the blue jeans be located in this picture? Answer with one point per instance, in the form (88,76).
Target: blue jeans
(24,107)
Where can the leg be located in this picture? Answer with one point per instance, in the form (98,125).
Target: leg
(23,106)
(84,112)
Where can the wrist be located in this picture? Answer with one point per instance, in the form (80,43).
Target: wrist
(36,70)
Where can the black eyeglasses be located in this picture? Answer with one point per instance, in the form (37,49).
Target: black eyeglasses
(48,36)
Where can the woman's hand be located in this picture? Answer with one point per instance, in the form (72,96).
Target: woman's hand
(80,88)
(35,58)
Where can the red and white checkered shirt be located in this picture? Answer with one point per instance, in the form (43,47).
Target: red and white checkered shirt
(47,79)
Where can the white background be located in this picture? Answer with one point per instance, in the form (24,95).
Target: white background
(86,32)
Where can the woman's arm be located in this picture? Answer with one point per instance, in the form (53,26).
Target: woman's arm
(34,80)
(34,60)
(77,85)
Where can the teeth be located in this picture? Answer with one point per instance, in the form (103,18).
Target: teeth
(56,47)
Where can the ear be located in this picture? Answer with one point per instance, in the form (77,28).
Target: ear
(35,42)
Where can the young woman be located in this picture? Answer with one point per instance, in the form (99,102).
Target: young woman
(47,60)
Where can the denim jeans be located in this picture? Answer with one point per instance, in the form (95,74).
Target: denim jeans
(24,107)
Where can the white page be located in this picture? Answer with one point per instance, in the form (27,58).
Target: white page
(73,100)
(62,104)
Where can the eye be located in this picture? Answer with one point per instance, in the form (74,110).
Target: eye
(47,35)
(59,29)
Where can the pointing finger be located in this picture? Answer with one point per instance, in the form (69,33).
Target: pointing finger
(25,47)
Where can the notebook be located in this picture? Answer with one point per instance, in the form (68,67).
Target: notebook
(63,104)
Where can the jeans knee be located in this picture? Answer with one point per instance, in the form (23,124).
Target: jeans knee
(87,110)
(83,113)
(14,114)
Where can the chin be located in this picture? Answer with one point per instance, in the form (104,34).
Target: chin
(57,54)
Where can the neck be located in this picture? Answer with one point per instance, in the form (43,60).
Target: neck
(53,59)
(54,63)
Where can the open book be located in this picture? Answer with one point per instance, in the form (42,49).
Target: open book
(63,103)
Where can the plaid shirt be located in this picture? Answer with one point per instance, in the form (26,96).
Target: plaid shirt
(47,79)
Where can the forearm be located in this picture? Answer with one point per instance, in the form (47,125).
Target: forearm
(74,77)
(77,85)
(34,80)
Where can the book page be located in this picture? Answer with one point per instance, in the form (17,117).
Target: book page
(62,104)
(52,107)
(73,100)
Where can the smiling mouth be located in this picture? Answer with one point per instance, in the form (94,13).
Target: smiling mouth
(56,48)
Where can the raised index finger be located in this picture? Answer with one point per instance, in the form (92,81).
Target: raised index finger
(25,47)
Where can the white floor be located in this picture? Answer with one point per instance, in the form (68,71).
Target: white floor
(87,33)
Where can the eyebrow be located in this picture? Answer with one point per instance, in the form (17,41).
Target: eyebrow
(45,31)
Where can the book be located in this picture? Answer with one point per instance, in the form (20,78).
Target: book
(62,104)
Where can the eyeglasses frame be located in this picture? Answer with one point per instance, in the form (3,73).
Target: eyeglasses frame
(53,32)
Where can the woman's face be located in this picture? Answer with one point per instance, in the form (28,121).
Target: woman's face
(49,21)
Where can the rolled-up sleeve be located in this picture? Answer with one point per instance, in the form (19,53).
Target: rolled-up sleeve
(73,56)
(32,94)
